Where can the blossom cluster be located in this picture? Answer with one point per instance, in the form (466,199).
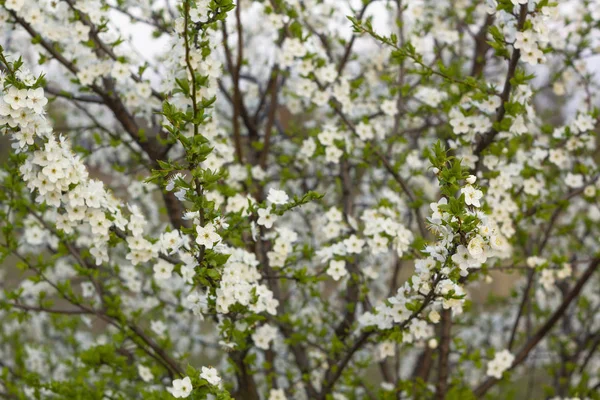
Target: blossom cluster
(502,361)
(314,204)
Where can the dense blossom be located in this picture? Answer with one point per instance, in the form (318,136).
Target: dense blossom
(316,205)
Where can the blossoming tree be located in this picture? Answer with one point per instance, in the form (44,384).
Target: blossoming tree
(297,199)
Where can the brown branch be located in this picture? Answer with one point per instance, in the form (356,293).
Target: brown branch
(71,96)
(173,365)
(331,380)
(423,365)
(48,310)
(388,166)
(352,289)
(334,372)
(102,315)
(237,97)
(411,197)
(444,353)
(481,47)
(513,332)
(541,333)
(301,357)
(152,148)
(401,69)
(348,49)
(488,138)
(588,358)
(107,50)
(273,104)
(161,26)
(247,389)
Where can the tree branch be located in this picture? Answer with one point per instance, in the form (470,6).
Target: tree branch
(541,333)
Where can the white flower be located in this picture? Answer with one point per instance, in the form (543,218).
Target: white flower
(419,329)
(547,279)
(14,5)
(436,216)
(518,126)
(162,270)
(364,131)
(460,123)
(389,107)
(172,181)
(337,269)
(210,375)
(499,243)
(87,289)
(386,349)
(145,373)
(574,180)
(525,40)
(36,100)
(171,240)
(333,154)
(583,123)
(16,98)
(354,244)
(120,71)
(277,196)
(472,196)
(182,387)
(265,218)
(143,89)
(207,236)
(533,56)
(477,248)
(158,327)
(277,394)
(434,316)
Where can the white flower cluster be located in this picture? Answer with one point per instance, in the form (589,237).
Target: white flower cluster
(89,74)
(23,108)
(430,96)
(487,244)
(395,311)
(141,250)
(264,335)
(182,388)
(566,398)
(468,126)
(32,99)
(279,394)
(502,361)
(197,303)
(291,49)
(282,246)
(381,224)
(61,180)
(483,243)
(334,224)
(328,138)
(532,42)
(239,284)
(548,277)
